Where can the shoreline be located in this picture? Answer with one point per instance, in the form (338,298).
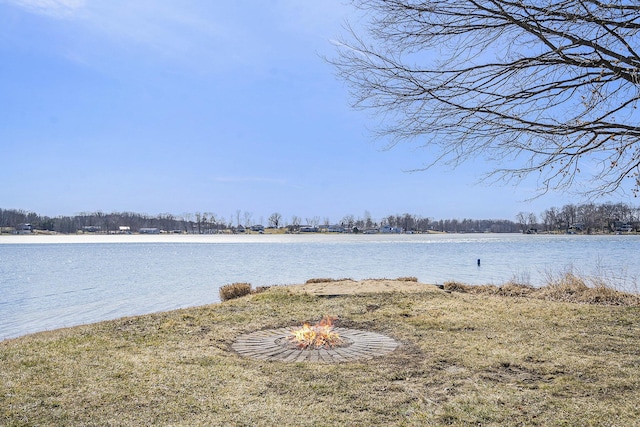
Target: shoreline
(575,293)
(75,282)
(38,238)
(8,239)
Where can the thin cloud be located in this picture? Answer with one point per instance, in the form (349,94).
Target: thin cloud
(53,8)
(204,37)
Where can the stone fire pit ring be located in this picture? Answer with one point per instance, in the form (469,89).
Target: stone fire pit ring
(272,345)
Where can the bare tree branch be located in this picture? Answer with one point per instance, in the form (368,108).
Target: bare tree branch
(553,85)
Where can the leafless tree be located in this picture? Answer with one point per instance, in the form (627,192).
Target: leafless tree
(538,87)
(274,219)
(552,220)
(532,221)
(313,221)
(587,215)
(248,219)
(521,219)
(199,222)
(348,221)
(211,224)
(368,222)
(569,215)
(187,217)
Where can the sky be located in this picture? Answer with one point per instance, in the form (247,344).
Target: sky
(164,106)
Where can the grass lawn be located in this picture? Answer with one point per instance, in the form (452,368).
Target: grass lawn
(464,359)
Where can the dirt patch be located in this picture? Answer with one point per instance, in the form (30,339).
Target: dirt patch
(351,287)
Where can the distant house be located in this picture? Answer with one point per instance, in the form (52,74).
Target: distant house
(24,229)
(578,226)
(149,230)
(335,229)
(124,229)
(623,227)
(91,228)
(308,229)
(389,229)
(258,228)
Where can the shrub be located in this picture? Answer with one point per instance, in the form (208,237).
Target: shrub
(407,279)
(570,287)
(234,290)
(456,287)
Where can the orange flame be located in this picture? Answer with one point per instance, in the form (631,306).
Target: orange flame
(320,335)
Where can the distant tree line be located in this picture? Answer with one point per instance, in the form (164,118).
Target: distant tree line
(112,222)
(420,224)
(592,218)
(583,218)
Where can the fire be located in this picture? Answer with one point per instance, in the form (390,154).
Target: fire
(320,335)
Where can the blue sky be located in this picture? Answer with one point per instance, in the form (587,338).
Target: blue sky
(163,106)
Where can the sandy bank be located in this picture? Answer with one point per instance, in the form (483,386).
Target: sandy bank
(351,287)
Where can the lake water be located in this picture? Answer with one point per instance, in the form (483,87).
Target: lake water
(48,282)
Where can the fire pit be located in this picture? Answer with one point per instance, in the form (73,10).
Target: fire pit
(323,343)
(322,335)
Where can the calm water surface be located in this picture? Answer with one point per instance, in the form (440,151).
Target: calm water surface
(48,282)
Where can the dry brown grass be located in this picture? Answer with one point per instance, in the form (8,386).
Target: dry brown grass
(407,279)
(571,287)
(568,287)
(326,280)
(234,290)
(464,359)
